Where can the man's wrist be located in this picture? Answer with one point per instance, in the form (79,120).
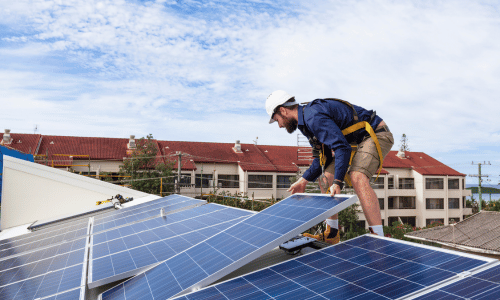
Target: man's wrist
(339,183)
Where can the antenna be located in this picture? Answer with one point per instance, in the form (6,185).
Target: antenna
(35,129)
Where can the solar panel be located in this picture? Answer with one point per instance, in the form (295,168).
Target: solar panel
(47,279)
(128,250)
(223,253)
(78,229)
(367,267)
(78,293)
(169,204)
(482,284)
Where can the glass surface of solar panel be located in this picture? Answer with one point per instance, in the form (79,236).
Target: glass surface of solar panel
(168,206)
(363,268)
(223,253)
(76,294)
(115,255)
(18,270)
(484,285)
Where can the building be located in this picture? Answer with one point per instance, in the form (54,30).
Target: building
(412,187)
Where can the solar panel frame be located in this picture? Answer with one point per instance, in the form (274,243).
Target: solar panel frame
(270,282)
(92,283)
(67,295)
(306,218)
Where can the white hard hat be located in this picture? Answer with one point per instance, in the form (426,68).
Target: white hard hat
(276,99)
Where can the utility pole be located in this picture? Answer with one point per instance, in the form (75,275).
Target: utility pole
(480,180)
(179,153)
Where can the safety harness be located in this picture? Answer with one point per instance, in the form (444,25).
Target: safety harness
(318,147)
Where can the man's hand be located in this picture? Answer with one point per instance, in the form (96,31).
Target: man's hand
(299,186)
(334,189)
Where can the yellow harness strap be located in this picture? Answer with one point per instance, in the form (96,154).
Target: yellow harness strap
(370,130)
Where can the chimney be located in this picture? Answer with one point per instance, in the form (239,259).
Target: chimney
(401,154)
(131,142)
(6,137)
(237,147)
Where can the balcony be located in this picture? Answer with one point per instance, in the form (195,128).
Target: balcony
(402,192)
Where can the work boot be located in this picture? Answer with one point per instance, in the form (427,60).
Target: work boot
(331,235)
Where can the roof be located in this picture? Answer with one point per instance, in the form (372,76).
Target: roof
(420,162)
(26,143)
(253,158)
(480,231)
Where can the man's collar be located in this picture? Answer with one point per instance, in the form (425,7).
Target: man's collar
(300,115)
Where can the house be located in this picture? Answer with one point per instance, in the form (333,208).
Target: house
(412,186)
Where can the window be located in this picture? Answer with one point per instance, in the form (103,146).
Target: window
(260,181)
(378,183)
(381,202)
(433,221)
(453,220)
(185,180)
(229,181)
(204,179)
(406,183)
(283,181)
(434,203)
(453,184)
(406,202)
(361,224)
(390,183)
(391,201)
(406,220)
(453,203)
(434,183)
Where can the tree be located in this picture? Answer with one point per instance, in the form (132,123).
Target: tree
(404,143)
(146,169)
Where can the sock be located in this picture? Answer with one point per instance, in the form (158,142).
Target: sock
(377,229)
(334,228)
(332,223)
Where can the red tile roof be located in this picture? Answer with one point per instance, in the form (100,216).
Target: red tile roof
(420,162)
(255,158)
(26,143)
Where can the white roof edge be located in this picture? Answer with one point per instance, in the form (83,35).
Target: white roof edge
(68,177)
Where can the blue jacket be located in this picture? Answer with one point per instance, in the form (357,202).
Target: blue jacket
(326,119)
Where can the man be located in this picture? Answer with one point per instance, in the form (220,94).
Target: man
(334,124)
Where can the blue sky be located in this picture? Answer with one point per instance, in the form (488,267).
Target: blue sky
(201,70)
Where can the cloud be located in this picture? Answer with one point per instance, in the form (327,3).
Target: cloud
(197,70)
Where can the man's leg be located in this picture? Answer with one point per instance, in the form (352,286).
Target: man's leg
(331,233)
(368,200)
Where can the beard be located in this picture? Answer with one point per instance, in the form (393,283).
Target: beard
(290,124)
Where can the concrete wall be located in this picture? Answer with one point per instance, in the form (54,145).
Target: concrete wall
(35,192)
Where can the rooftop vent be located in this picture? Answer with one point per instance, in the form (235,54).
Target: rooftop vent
(131,142)
(6,137)
(237,147)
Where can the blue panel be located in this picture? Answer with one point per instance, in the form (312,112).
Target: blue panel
(263,229)
(484,285)
(144,248)
(345,272)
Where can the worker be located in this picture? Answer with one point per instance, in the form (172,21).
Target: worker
(330,124)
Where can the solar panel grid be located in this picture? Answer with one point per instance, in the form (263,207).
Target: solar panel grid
(78,229)
(72,244)
(481,286)
(21,272)
(351,270)
(75,294)
(208,261)
(182,230)
(106,224)
(47,279)
(131,210)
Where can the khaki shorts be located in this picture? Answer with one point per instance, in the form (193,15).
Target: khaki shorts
(366,158)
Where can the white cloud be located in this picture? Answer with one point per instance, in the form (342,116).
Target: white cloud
(202,70)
